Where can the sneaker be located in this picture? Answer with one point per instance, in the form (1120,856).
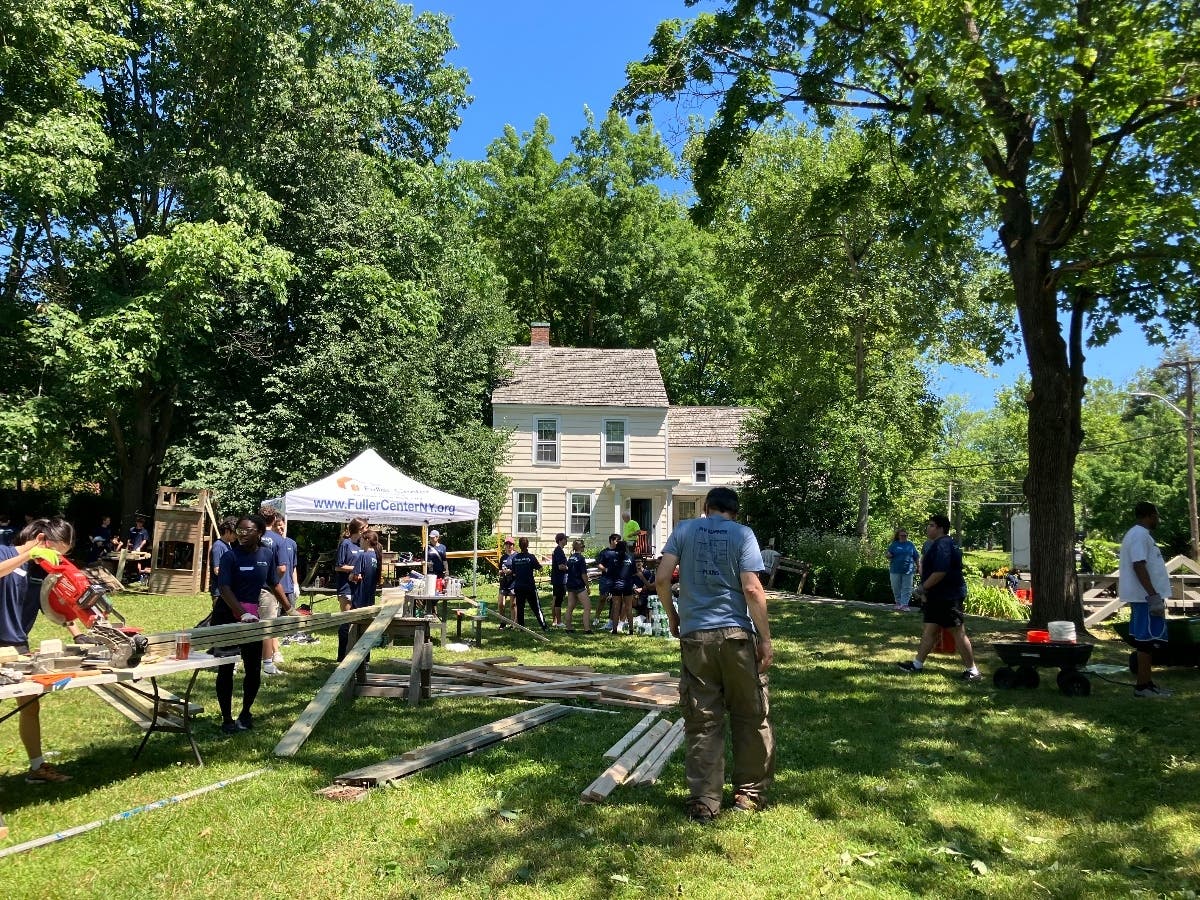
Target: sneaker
(278,657)
(46,774)
(1152,691)
(246,720)
(909,666)
(269,668)
(968,675)
(233,726)
(748,802)
(699,811)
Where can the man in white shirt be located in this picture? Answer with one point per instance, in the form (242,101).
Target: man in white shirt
(1144,584)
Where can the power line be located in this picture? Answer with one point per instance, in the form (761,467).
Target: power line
(1096,448)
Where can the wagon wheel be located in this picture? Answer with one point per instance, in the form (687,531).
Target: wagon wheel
(1004,678)
(1027,677)
(1074,685)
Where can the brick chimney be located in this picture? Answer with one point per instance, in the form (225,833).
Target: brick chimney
(539,334)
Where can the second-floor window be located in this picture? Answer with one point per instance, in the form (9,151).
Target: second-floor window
(545,441)
(700,471)
(615,450)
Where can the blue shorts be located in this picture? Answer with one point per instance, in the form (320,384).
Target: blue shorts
(1145,628)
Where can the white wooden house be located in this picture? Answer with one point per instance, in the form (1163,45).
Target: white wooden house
(592,434)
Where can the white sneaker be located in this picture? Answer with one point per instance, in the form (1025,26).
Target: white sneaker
(269,668)
(278,657)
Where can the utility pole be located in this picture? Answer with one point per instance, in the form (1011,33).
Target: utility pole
(1189,415)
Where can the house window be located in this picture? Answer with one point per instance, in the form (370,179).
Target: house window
(699,471)
(687,509)
(579,515)
(527,512)
(616,451)
(545,441)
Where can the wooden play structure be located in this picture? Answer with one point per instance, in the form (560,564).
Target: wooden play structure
(184,529)
(1100,595)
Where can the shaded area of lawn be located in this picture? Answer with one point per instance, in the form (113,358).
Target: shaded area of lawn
(887,785)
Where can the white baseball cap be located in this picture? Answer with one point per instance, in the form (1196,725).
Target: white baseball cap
(435,533)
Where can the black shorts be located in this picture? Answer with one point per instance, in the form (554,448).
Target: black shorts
(560,594)
(946,613)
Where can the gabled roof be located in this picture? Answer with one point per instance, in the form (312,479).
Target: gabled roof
(707,426)
(583,376)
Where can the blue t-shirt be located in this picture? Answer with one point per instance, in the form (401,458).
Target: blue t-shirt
(903,557)
(506,580)
(436,554)
(219,549)
(287,554)
(943,555)
(576,572)
(606,559)
(15,618)
(713,552)
(558,577)
(363,592)
(247,572)
(624,574)
(348,552)
(523,566)
(138,538)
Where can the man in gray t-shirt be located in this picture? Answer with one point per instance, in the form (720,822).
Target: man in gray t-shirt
(725,645)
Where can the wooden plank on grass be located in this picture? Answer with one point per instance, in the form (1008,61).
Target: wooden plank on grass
(337,683)
(619,770)
(432,754)
(615,751)
(647,770)
(507,620)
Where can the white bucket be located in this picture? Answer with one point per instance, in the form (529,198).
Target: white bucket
(1061,632)
(431,589)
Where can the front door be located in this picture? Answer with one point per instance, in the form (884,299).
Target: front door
(642,512)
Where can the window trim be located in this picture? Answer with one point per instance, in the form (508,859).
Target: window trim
(604,463)
(534,441)
(570,493)
(696,460)
(516,511)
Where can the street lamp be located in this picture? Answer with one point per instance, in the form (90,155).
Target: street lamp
(1190,421)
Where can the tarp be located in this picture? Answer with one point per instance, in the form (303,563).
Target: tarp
(368,487)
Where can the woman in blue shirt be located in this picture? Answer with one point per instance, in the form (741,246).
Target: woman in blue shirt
(903,561)
(348,552)
(578,588)
(625,580)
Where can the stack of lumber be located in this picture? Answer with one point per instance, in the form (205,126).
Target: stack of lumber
(638,757)
(248,632)
(459,744)
(498,677)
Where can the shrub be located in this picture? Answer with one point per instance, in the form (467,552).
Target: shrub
(993,602)
(835,558)
(871,584)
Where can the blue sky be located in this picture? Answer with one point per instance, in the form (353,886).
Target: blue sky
(529,57)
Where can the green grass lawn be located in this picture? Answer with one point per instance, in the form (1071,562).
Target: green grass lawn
(887,785)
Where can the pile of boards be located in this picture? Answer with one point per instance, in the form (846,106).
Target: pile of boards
(638,757)
(498,677)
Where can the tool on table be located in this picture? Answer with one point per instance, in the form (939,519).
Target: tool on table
(68,595)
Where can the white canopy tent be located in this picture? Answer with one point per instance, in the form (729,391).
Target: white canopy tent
(369,488)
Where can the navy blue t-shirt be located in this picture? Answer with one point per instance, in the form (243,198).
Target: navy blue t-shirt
(247,572)
(523,566)
(558,577)
(576,572)
(288,552)
(625,575)
(219,549)
(15,616)
(607,560)
(506,580)
(138,538)
(363,592)
(436,554)
(348,552)
(943,555)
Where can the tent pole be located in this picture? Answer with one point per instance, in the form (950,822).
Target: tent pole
(475,560)
(424,550)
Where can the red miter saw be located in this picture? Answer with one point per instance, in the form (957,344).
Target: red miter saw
(69,595)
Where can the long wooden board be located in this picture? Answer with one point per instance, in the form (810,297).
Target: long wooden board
(492,612)
(647,770)
(615,751)
(619,770)
(337,683)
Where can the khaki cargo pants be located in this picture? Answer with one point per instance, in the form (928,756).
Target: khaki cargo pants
(720,674)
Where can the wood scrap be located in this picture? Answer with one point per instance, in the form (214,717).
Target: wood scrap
(652,763)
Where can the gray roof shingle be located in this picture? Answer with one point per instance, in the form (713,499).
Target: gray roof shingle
(588,376)
(707,426)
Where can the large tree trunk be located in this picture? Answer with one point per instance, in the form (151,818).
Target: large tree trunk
(140,441)
(1055,435)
